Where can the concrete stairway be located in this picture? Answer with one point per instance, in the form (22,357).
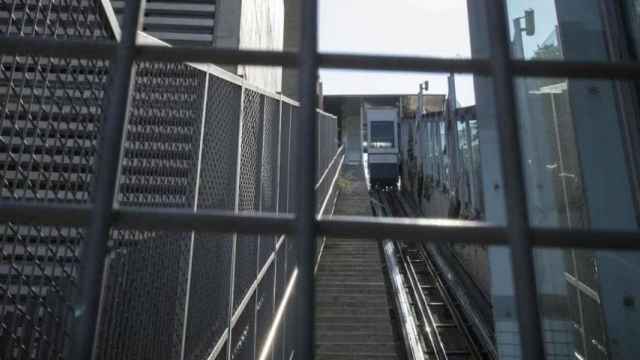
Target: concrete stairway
(352,309)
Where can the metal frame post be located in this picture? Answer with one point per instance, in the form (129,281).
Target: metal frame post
(306,225)
(94,249)
(517,226)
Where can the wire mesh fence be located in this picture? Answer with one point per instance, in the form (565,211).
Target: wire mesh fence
(195,138)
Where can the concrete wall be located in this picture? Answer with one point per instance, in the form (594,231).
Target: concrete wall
(252,25)
(262,28)
(292,26)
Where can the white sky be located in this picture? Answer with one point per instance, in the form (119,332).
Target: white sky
(401,27)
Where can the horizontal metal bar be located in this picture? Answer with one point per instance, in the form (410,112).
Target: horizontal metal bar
(576,69)
(437,230)
(148,218)
(219,56)
(48,47)
(404,63)
(102,50)
(45,214)
(203,221)
(586,239)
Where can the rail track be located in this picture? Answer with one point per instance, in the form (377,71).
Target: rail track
(443,330)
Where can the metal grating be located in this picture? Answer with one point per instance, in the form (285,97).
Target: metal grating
(160,161)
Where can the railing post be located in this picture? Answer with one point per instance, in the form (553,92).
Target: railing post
(514,185)
(306,224)
(93,251)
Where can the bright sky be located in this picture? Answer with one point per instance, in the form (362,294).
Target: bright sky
(402,27)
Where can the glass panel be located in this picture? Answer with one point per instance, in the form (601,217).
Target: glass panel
(555,30)
(382,134)
(577,176)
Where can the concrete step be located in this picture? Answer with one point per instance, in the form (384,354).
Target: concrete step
(357,348)
(377,290)
(364,300)
(381,318)
(351,309)
(350,277)
(355,357)
(360,337)
(337,324)
(349,267)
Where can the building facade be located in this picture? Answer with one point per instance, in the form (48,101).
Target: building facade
(232,24)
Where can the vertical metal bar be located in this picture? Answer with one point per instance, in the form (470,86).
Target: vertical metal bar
(94,249)
(236,208)
(514,186)
(277,210)
(305,227)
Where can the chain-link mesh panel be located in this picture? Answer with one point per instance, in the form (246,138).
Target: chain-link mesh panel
(50,115)
(210,273)
(243,334)
(285,159)
(269,171)
(264,307)
(247,245)
(160,159)
(143,297)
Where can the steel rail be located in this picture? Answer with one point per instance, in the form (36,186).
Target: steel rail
(424,309)
(402,209)
(410,329)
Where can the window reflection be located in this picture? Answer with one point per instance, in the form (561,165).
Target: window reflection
(576,177)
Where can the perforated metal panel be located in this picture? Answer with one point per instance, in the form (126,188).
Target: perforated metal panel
(247,245)
(211,268)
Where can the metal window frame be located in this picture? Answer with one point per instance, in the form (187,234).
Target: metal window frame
(305,225)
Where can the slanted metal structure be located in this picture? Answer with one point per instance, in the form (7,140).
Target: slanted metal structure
(102,212)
